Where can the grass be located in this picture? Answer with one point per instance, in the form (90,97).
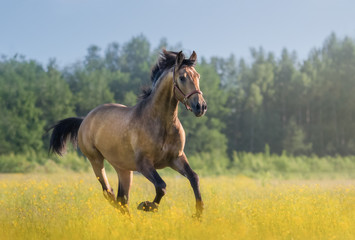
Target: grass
(71,206)
(254,165)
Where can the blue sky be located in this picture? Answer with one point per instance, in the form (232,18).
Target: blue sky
(43,29)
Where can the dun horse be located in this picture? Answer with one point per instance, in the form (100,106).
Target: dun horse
(143,138)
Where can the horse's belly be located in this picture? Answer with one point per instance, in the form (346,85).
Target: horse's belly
(125,163)
(118,153)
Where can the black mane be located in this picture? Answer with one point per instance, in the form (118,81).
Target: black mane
(166,60)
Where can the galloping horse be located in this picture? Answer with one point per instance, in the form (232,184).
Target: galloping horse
(143,138)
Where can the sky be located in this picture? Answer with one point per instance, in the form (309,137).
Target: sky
(64,29)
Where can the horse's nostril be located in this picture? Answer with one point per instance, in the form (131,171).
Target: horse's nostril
(198,106)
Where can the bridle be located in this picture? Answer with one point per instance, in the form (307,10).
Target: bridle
(186,96)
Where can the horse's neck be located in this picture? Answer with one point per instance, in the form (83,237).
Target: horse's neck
(164,103)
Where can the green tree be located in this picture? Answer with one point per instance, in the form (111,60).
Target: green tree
(112,57)
(294,141)
(20,123)
(93,91)
(93,60)
(54,97)
(135,60)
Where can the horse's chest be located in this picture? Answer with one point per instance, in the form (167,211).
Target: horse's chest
(165,155)
(168,149)
(160,145)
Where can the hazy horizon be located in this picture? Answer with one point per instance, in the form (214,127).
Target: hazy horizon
(64,29)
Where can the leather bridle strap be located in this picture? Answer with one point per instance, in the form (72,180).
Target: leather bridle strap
(186,97)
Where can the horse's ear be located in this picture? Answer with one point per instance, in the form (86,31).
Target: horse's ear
(193,56)
(179,59)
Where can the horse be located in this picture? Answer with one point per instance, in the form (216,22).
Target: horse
(143,138)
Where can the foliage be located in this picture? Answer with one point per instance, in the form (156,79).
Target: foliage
(294,141)
(20,123)
(40,162)
(302,108)
(19,163)
(208,163)
(285,166)
(214,162)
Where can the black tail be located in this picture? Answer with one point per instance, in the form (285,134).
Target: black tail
(61,131)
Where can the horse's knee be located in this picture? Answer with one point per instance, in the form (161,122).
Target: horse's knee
(161,188)
(194,178)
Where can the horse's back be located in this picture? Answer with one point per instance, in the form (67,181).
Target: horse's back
(103,115)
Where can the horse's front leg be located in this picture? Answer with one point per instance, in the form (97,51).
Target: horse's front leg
(182,166)
(145,167)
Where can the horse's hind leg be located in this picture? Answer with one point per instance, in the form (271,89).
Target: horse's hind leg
(124,186)
(97,163)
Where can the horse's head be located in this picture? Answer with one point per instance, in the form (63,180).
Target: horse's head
(186,84)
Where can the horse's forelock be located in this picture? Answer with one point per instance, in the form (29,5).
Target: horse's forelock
(167,60)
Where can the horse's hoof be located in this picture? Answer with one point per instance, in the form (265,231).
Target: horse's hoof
(123,208)
(148,206)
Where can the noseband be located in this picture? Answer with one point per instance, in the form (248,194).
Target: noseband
(186,96)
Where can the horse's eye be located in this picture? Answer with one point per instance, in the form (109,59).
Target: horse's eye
(182,79)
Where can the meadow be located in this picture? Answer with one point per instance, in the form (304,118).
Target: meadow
(71,206)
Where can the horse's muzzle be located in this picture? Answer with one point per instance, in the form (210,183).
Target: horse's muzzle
(199,109)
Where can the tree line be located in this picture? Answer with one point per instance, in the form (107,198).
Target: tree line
(280,103)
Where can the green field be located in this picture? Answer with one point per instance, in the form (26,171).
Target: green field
(71,206)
